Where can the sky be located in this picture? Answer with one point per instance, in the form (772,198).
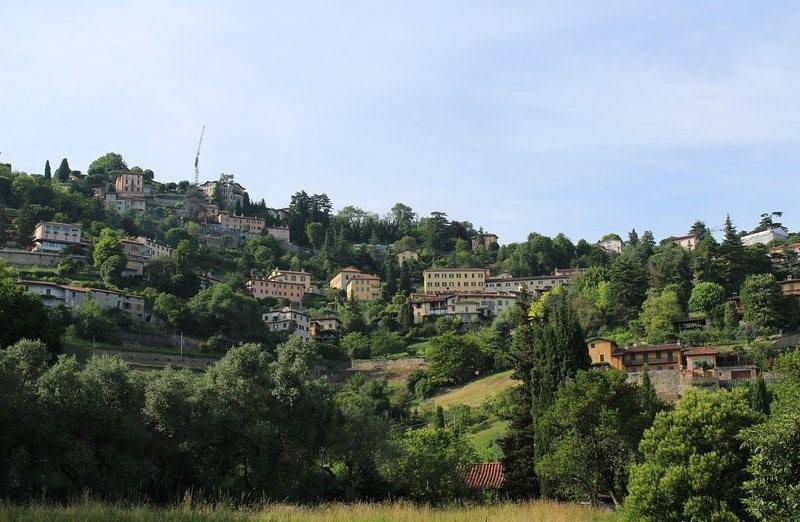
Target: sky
(575,117)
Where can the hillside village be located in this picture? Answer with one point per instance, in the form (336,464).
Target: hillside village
(184,275)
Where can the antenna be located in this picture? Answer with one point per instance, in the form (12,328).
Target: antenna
(197,157)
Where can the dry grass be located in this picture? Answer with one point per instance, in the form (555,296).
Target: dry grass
(475,392)
(541,511)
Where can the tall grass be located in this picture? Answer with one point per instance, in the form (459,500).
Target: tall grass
(540,511)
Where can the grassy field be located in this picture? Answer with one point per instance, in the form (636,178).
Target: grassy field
(400,512)
(475,392)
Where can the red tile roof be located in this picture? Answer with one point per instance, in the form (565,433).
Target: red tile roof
(701,350)
(486,475)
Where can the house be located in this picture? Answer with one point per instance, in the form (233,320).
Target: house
(688,242)
(363,287)
(131,184)
(287,319)
(340,280)
(50,236)
(324,327)
(139,251)
(54,294)
(406,255)
(228,222)
(486,475)
(766,236)
(466,306)
(281,214)
(790,288)
(534,284)
(484,240)
(611,243)
(778,250)
(601,351)
(291,276)
(569,272)
(699,359)
(264,288)
(123,204)
(230,191)
(656,357)
(447,280)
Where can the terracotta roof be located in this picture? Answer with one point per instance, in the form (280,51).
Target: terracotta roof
(701,350)
(486,475)
(653,348)
(366,276)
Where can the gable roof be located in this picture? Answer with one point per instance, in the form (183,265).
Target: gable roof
(701,350)
(486,475)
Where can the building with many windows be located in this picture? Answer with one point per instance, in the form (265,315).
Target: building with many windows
(468,307)
(291,276)
(287,319)
(363,287)
(230,191)
(340,280)
(264,288)
(50,236)
(131,184)
(71,297)
(534,284)
(448,280)
(228,222)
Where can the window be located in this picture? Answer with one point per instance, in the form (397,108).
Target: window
(602,357)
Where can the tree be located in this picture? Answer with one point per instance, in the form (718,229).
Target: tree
(107,166)
(546,353)
(23,315)
(107,255)
(315,231)
(454,359)
(92,323)
(762,301)
(594,427)
(672,265)
(774,445)
(430,465)
(731,258)
(405,280)
(759,399)
(356,344)
(47,173)
(390,279)
(659,313)
(405,317)
(63,171)
(627,285)
(693,467)
(708,299)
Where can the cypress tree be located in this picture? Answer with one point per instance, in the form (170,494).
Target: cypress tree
(759,398)
(390,276)
(405,280)
(438,420)
(651,404)
(63,170)
(47,173)
(731,258)
(406,316)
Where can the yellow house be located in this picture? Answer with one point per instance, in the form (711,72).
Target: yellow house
(699,357)
(291,276)
(341,279)
(441,280)
(364,287)
(602,351)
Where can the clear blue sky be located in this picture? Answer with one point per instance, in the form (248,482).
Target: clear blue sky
(517,116)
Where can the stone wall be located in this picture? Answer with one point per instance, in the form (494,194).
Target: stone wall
(14,256)
(670,385)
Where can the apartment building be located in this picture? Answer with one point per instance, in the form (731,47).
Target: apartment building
(534,284)
(324,327)
(447,280)
(54,294)
(406,255)
(139,251)
(340,280)
(363,287)
(291,276)
(466,306)
(287,319)
(232,193)
(688,242)
(131,184)
(228,222)
(264,288)
(611,244)
(50,236)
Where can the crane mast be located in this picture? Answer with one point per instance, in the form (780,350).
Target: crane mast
(197,157)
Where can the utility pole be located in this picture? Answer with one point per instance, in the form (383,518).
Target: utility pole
(197,157)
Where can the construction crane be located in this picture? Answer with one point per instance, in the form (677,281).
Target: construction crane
(197,157)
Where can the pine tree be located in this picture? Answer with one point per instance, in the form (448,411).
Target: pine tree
(405,280)
(547,353)
(390,278)
(731,258)
(63,170)
(47,173)
(759,399)
(406,316)
(438,420)
(651,404)
(523,299)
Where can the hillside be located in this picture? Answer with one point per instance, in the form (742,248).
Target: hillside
(476,392)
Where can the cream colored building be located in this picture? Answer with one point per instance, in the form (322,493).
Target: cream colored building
(54,294)
(364,287)
(341,279)
(287,319)
(264,288)
(688,242)
(291,276)
(466,306)
(239,224)
(51,236)
(533,283)
(611,244)
(324,326)
(232,192)
(130,184)
(140,251)
(444,280)
(406,255)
